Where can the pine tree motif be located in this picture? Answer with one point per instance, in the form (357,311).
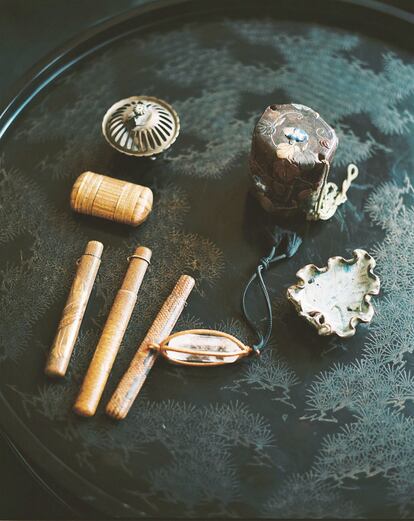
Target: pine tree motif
(321,72)
(318,69)
(46,274)
(268,372)
(376,389)
(200,442)
(306,496)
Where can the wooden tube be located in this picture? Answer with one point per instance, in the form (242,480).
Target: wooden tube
(113,332)
(113,199)
(133,379)
(72,316)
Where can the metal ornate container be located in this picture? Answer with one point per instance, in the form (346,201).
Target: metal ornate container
(141,126)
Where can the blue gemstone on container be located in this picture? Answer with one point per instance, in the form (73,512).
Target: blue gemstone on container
(296,134)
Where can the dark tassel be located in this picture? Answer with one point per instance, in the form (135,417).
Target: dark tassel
(276,235)
(284,244)
(293,242)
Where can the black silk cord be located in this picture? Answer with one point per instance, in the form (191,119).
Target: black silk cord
(285,245)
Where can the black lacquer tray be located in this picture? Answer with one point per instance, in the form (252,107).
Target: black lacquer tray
(313,428)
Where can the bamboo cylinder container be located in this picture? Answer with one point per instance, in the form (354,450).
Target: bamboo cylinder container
(72,316)
(113,332)
(109,198)
(134,378)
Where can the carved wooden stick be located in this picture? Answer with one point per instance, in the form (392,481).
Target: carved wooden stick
(72,316)
(113,332)
(133,379)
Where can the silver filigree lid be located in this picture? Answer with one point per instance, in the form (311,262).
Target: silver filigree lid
(141,126)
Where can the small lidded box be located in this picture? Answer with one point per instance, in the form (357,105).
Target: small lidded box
(113,199)
(292,149)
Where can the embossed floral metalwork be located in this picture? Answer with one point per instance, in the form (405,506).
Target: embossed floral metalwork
(334,299)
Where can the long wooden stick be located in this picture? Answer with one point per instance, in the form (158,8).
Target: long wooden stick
(133,379)
(72,316)
(112,334)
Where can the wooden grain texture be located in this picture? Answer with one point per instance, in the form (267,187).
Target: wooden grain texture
(134,378)
(72,315)
(109,198)
(112,334)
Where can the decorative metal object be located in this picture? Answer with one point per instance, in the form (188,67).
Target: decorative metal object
(332,196)
(202,347)
(141,126)
(292,150)
(334,299)
(197,347)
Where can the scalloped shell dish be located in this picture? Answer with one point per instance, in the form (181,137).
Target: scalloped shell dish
(334,299)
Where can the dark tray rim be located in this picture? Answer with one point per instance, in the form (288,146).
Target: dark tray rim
(46,71)
(89,41)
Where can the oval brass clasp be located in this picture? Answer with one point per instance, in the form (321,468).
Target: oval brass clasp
(202,347)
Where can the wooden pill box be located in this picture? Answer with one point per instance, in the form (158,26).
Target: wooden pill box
(113,199)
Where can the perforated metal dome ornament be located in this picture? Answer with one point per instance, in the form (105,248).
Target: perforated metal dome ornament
(141,126)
